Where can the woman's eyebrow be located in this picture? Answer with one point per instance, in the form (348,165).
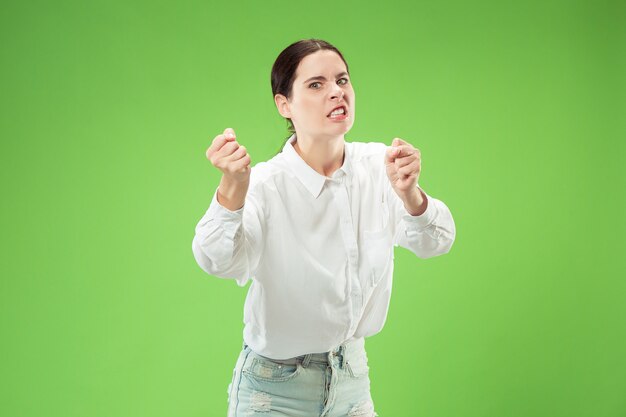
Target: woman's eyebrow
(320,77)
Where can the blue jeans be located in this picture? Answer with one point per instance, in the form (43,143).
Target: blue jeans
(329,384)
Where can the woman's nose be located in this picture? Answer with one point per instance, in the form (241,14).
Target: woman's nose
(338,92)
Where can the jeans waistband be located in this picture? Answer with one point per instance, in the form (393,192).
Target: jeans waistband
(344,352)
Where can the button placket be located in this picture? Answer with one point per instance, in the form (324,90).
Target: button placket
(349,237)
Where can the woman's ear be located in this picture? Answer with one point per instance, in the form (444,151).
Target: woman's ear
(282,105)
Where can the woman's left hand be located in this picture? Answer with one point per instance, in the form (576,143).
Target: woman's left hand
(403,164)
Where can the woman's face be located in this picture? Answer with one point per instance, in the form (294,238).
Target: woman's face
(312,99)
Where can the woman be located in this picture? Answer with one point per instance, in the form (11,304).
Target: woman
(314,229)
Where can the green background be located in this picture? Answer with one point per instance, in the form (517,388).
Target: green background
(518,109)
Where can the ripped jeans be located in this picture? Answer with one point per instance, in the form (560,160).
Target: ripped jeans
(329,384)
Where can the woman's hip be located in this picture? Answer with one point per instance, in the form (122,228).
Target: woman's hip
(320,384)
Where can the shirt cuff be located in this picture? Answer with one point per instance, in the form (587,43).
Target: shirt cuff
(424,219)
(229,219)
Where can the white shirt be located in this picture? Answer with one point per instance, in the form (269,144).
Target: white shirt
(318,250)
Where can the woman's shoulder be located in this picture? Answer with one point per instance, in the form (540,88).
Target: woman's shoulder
(262,172)
(365,150)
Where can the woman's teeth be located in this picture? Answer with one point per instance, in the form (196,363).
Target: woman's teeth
(338,111)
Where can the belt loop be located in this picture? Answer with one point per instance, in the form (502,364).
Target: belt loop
(342,352)
(306,360)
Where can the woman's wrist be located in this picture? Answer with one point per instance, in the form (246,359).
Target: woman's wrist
(232,193)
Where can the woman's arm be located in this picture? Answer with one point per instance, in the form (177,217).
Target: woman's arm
(229,237)
(432,233)
(228,243)
(424,225)
(231,194)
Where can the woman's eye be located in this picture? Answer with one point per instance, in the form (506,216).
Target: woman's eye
(344,78)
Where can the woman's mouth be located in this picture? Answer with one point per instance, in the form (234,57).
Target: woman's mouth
(338,114)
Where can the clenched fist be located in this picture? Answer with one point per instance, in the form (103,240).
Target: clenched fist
(234,162)
(404,164)
(229,157)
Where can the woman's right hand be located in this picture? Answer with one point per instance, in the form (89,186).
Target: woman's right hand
(233,160)
(230,157)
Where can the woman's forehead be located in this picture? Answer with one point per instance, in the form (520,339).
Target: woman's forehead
(320,63)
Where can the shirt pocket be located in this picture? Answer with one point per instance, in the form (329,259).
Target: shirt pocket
(266,369)
(378,252)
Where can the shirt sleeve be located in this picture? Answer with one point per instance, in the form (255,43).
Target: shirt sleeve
(228,244)
(430,234)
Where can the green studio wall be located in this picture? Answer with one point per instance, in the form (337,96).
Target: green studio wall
(107,111)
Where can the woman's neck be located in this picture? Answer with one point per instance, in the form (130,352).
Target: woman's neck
(324,156)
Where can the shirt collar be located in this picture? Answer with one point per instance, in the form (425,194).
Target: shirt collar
(313,180)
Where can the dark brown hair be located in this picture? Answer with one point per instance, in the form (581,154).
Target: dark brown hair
(284,68)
